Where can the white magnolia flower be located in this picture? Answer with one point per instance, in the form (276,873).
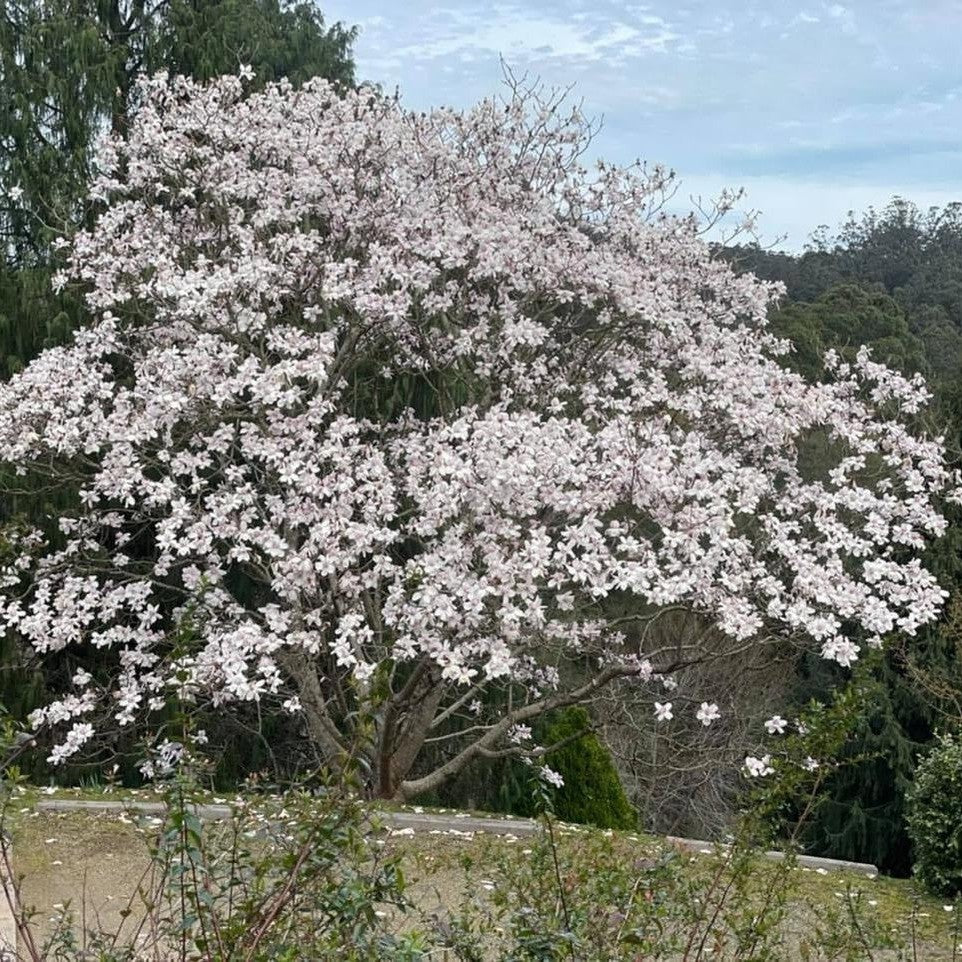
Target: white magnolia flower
(758,767)
(78,735)
(776,725)
(519,734)
(82,678)
(363,670)
(550,776)
(708,713)
(663,711)
(565,601)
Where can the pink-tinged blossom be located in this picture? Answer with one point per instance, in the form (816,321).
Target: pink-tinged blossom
(550,777)
(81,678)
(519,733)
(663,711)
(707,713)
(77,736)
(366,387)
(776,725)
(758,767)
(163,759)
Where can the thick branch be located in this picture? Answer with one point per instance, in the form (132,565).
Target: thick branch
(319,722)
(487,742)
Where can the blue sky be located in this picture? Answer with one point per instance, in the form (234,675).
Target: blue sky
(814,108)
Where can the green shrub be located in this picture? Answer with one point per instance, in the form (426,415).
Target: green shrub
(598,897)
(592,793)
(935,818)
(302,875)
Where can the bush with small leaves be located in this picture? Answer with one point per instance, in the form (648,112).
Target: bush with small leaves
(296,876)
(935,817)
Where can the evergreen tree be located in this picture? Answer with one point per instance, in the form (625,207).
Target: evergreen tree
(846,317)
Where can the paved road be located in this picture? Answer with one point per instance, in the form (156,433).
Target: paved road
(419,821)
(442,822)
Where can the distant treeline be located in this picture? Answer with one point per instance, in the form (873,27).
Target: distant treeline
(891,280)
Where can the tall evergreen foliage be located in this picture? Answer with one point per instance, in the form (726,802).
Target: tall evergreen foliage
(890,279)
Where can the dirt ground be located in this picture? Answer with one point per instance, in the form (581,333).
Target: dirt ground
(92,865)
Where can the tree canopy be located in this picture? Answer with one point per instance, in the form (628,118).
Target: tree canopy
(67,75)
(261,517)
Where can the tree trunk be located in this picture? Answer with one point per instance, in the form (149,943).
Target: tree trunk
(403,732)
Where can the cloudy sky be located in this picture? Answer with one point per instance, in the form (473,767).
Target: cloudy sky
(814,107)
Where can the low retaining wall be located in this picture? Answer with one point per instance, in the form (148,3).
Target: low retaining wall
(805,861)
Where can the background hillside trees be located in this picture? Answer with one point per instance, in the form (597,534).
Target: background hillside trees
(890,280)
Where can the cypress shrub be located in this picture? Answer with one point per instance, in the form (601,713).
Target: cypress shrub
(592,793)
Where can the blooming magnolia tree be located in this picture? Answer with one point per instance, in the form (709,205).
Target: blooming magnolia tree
(379,411)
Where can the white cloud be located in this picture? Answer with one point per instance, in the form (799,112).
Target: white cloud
(845,18)
(855,102)
(511,31)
